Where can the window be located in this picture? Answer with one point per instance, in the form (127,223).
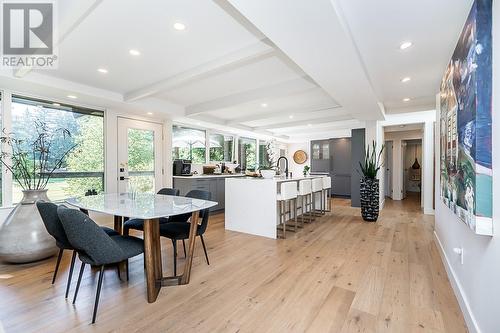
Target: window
(83,168)
(247,157)
(188,144)
(264,159)
(221,148)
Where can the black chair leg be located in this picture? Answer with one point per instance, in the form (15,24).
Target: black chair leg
(126,266)
(118,271)
(82,267)
(59,257)
(184,247)
(70,275)
(174,244)
(98,293)
(204,248)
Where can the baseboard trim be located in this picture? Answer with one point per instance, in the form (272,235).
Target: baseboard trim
(470,320)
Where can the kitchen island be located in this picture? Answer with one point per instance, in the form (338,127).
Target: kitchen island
(251,205)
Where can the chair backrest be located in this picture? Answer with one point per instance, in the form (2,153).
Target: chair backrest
(327,182)
(87,237)
(305,187)
(48,212)
(204,214)
(317,185)
(169,191)
(288,190)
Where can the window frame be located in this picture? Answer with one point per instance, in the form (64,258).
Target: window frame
(7,98)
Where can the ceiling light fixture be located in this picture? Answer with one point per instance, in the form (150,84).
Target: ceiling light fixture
(264,105)
(290,116)
(406,79)
(134,52)
(406,99)
(309,125)
(56,104)
(405,45)
(102,70)
(72,96)
(150,113)
(179,26)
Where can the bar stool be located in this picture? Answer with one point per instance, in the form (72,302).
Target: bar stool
(288,193)
(317,188)
(305,192)
(327,186)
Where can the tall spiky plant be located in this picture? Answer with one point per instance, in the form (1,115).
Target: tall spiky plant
(371,164)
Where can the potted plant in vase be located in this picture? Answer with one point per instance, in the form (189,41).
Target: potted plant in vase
(369,184)
(23,237)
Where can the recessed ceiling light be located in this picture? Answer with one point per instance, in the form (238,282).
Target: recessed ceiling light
(402,126)
(264,105)
(134,52)
(72,96)
(56,104)
(179,26)
(405,45)
(198,124)
(102,70)
(406,79)
(290,116)
(309,125)
(406,99)
(150,113)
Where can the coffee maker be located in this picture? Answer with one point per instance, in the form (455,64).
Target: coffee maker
(182,168)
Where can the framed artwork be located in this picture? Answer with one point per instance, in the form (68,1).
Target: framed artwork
(465,123)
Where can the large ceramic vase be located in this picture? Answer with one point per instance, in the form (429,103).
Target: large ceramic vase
(23,237)
(369,193)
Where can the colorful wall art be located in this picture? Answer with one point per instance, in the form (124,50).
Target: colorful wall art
(466,107)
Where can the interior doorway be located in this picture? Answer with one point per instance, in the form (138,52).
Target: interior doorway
(412,168)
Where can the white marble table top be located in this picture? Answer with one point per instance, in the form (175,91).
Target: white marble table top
(144,205)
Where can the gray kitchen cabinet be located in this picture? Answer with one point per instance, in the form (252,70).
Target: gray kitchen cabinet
(215,185)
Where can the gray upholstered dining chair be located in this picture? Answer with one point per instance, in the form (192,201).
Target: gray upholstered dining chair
(95,247)
(48,212)
(138,224)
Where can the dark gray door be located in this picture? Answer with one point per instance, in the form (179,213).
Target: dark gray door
(340,166)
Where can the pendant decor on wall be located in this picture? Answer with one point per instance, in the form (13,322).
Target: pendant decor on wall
(465,123)
(300,157)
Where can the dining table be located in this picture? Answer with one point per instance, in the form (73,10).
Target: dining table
(150,208)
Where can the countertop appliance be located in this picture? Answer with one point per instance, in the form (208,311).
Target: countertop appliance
(182,168)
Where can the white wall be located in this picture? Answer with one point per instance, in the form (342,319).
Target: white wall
(477,281)
(297,169)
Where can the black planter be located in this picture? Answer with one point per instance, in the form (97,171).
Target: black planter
(369,193)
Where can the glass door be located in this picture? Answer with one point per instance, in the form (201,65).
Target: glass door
(139,156)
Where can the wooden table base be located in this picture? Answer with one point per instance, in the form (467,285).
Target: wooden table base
(152,257)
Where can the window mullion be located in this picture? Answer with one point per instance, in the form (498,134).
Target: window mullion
(7,127)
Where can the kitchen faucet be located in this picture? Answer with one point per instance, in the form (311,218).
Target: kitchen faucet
(286,164)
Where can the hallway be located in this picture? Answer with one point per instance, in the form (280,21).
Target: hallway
(347,276)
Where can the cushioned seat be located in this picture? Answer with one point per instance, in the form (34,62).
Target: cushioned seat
(175,230)
(131,246)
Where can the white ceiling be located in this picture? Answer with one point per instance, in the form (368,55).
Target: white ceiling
(322,68)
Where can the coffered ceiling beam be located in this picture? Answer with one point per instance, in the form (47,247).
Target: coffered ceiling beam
(284,112)
(341,120)
(248,55)
(275,91)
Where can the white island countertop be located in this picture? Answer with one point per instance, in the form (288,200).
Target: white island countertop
(203,176)
(251,206)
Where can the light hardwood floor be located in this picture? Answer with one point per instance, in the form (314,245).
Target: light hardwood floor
(338,274)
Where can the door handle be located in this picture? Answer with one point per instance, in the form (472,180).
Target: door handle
(124,178)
